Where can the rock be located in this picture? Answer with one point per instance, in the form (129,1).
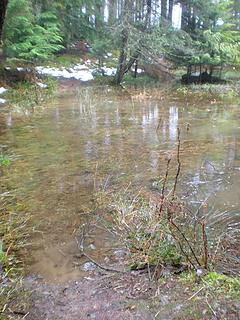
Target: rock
(121,253)
(89,266)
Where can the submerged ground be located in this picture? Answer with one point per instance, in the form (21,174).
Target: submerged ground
(89,136)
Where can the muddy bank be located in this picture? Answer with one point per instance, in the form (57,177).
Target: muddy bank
(128,296)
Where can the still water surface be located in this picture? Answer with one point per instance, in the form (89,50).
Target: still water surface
(105,134)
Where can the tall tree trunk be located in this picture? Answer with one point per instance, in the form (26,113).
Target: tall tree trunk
(112,11)
(170,11)
(236,13)
(163,10)
(99,14)
(185,16)
(3,10)
(124,41)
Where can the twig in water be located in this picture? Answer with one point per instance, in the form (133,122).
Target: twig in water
(178,161)
(159,124)
(164,185)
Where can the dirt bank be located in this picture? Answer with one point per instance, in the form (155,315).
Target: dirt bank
(130,296)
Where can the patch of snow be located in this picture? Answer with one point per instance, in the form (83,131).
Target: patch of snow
(109,71)
(42,85)
(88,62)
(140,70)
(20,69)
(195,74)
(80,67)
(2,90)
(79,72)
(2,101)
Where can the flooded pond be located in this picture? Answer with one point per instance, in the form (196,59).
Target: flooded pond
(104,134)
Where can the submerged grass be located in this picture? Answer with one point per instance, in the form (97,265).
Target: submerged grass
(25,96)
(14,236)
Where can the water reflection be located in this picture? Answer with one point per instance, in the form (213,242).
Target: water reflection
(103,133)
(173,123)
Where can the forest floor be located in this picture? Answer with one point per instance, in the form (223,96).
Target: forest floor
(129,296)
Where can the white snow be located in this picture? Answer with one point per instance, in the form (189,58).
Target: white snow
(109,71)
(82,72)
(2,90)
(140,71)
(2,101)
(42,85)
(79,72)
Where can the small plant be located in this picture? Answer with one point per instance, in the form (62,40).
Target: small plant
(3,256)
(4,160)
(183,90)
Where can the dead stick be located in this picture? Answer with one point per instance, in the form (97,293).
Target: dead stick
(178,161)
(205,244)
(184,253)
(186,240)
(164,185)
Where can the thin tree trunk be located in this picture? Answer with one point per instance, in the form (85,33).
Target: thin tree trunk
(185,16)
(112,10)
(3,10)
(124,41)
(170,11)
(163,10)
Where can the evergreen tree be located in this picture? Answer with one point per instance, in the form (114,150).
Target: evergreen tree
(27,37)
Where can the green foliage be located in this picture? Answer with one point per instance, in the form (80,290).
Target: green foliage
(100,48)
(4,160)
(223,283)
(27,38)
(3,257)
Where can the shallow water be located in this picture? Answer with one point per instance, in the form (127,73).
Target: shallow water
(103,135)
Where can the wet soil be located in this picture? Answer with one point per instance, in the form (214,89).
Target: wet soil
(125,297)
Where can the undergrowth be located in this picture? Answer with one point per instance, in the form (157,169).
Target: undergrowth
(25,96)
(14,236)
(162,234)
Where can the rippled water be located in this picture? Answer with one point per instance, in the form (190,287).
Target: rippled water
(105,134)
